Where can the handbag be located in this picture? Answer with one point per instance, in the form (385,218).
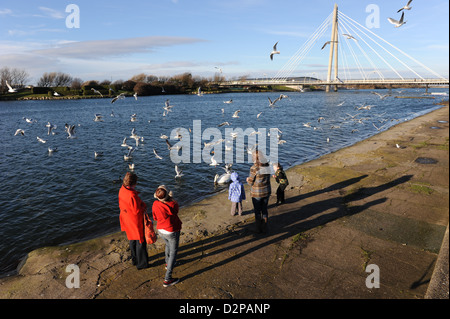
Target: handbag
(150,234)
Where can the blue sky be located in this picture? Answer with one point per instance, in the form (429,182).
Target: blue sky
(118,39)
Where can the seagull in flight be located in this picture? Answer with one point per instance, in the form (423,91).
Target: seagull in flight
(10,89)
(274,51)
(131,149)
(407,7)
(323,47)
(236,114)
(396,23)
(220,70)
(381,96)
(213,162)
(50,127)
(167,107)
(156,154)
(41,140)
(96,92)
(271,104)
(178,171)
(349,36)
(224,123)
(71,131)
(120,96)
(98,118)
(20,131)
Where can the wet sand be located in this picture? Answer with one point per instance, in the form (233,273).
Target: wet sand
(368,204)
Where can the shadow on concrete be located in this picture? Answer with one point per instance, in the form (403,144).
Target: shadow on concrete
(282,225)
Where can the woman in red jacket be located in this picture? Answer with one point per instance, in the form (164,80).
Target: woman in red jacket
(132,210)
(168,224)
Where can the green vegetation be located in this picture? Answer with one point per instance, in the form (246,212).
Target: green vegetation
(421,189)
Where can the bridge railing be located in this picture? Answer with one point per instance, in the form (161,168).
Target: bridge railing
(337,82)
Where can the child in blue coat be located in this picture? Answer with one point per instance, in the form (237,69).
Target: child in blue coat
(236,194)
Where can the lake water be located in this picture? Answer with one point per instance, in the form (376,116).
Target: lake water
(70,196)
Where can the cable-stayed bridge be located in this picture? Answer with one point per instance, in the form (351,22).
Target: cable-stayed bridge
(357,56)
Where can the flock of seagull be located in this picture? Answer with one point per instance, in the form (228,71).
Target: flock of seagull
(396,23)
(226,177)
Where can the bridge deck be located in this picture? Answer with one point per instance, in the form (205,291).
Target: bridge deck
(340,83)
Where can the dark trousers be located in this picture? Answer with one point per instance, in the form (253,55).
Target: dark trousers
(139,256)
(280,193)
(261,213)
(260,207)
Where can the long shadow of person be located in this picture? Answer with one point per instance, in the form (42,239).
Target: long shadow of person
(287,224)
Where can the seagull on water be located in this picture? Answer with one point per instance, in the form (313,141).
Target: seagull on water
(97,154)
(28,120)
(274,51)
(407,7)
(396,23)
(224,178)
(178,171)
(52,149)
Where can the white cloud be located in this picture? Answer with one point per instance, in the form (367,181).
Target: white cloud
(106,48)
(5,12)
(55,14)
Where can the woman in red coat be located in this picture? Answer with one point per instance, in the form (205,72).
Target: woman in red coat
(168,224)
(132,210)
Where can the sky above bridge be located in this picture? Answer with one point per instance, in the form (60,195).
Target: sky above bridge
(98,40)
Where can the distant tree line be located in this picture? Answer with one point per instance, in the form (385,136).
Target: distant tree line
(142,84)
(15,77)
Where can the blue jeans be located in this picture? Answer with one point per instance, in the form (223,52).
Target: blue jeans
(172,241)
(260,207)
